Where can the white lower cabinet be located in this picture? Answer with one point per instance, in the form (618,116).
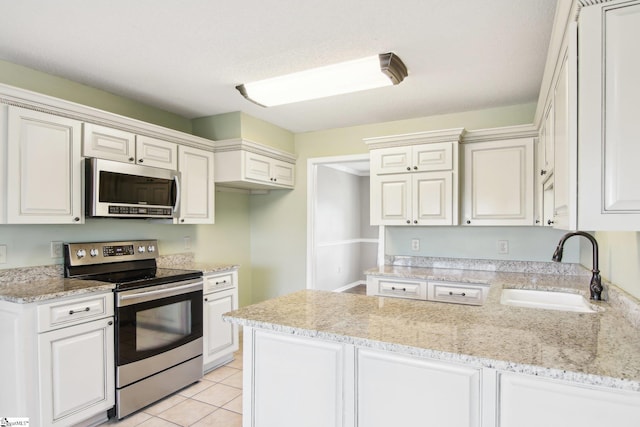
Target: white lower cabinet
(220,339)
(526,401)
(399,390)
(57,368)
(76,372)
(293,381)
(397,288)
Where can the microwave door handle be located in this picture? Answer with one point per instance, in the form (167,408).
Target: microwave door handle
(177,183)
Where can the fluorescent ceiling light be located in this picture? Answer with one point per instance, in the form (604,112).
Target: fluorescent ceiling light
(372,72)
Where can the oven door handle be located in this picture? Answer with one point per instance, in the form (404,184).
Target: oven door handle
(132,297)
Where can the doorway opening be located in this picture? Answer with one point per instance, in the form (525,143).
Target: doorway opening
(341,244)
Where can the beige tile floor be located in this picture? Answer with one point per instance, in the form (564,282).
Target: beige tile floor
(214,401)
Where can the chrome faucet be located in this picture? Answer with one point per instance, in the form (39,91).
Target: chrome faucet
(595,287)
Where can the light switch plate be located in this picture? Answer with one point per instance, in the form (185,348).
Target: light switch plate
(415,244)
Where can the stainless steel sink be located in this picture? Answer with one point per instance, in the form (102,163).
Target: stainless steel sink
(549,300)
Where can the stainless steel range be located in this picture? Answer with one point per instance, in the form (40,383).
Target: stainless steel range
(158,318)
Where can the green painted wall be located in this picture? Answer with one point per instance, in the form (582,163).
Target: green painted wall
(36,81)
(241,125)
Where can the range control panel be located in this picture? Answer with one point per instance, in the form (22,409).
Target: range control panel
(107,252)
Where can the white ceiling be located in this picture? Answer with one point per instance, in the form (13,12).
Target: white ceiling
(187,56)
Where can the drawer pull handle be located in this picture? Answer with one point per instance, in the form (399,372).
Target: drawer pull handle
(463,294)
(224,281)
(71,312)
(393,288)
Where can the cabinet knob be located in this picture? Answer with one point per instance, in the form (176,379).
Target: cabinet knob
(415,168)
(76,219)
(131,159)
(408,168)
(206,299)
(537,221)
(543,172)
(182,220)
(549,222)
(408,222)
(140,160)
(468,221)
(110,322)
(415,221)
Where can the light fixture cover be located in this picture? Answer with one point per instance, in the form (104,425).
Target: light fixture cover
(371,72)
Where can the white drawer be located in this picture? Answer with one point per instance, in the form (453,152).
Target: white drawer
(217,282)
(67,312)
(411,289)
(460,293)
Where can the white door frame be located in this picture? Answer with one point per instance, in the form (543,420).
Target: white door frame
(312,187)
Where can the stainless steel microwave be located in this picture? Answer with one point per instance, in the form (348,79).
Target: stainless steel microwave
(124,190)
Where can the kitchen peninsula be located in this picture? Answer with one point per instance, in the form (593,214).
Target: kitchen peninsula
(319,358)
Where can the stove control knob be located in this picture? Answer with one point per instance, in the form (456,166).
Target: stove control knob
(93,252)
(141,249)
(151,248)
(81,253)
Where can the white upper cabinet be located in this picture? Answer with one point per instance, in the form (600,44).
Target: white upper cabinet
(43,164)
(498,186)
(417,158)
(244,164)
(609,108)
(108,143)
(196,186)
(122,146)
(414,178)
(565,137)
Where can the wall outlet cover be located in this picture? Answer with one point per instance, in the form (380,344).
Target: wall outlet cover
(3,254)
(503,246)
(415,244)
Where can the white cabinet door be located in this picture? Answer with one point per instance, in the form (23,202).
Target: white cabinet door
(499,182)
(391,199)
(76,371)
(196,187)
(413,158)
(282,173)
(296,382)
(267,170)
(156,152)
(220,337)
(413,199)
(565,148)
(44,173)
(107,143)
(432,198)
(609,194)
(526,401)
(399,390)
(391,160)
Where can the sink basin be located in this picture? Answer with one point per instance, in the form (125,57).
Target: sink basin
(549,300)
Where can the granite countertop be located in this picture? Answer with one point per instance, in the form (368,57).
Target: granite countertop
(33,284)
(600,348)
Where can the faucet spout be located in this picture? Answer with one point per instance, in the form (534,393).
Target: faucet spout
(595,287)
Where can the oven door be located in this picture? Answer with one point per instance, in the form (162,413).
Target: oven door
(157,327)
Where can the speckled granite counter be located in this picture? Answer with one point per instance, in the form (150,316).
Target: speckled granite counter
(600,348)
(41,283)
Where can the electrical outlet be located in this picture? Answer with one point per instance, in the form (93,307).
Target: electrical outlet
(187,242)
(56,250)
(3,254)
(503,246)
(415,244)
